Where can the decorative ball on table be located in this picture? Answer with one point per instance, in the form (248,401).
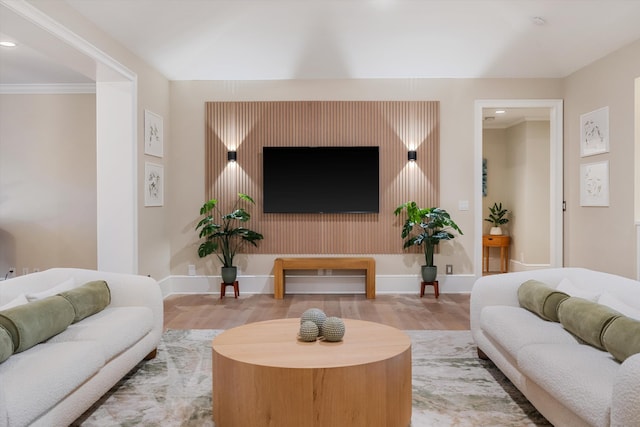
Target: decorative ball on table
(316,316)
(333,329)
(308,331)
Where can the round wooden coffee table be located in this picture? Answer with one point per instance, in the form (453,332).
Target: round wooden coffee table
(264,376)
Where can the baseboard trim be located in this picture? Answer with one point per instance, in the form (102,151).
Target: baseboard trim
(348,284)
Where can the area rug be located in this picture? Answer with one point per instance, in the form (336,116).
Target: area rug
(451,386)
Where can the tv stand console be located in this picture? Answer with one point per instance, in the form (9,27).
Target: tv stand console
(282,264)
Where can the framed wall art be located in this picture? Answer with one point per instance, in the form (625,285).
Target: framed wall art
(153,134)
(594,184)
(153,184)
(594,132)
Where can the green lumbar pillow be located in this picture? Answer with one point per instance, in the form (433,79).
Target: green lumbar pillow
(621,338)
(6,344)
(541,299)
(32,323)
(586,319)
(88,299)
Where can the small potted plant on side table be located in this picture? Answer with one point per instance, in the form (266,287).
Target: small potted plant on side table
(497,217)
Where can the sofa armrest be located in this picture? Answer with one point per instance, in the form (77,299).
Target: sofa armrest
(129,290)
(625,401)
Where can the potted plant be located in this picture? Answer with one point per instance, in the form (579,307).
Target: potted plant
(497,217)
(431,226)
(224,235)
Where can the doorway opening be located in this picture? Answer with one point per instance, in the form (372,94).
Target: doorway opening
(535,200)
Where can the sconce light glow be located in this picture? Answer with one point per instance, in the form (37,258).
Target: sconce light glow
(412,155)
(232,156)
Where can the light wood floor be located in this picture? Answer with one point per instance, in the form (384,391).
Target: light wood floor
(407,312)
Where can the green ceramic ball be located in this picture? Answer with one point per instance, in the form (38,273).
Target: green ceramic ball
(308,331)
(333,329)
(316,316)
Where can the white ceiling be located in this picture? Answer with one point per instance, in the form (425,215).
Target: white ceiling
(322,39)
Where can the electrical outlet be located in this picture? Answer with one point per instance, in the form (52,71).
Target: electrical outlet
(449,268)
(191,269)
(25,271)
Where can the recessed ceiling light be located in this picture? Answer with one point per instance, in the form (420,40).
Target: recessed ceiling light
(500,111)
(6,43)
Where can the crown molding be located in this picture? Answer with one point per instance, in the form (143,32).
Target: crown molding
(47,89)
(39,18)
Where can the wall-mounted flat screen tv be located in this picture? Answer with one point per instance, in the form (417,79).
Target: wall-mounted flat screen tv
(321,179)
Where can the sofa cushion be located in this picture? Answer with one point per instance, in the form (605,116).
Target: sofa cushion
(586,319)
(115,328)
(6,344)
(568,287)
(611,301)
(32,323)
(621,337)
(54,290)
(88,299)
(19,300)
(540,299)
(514,327)
(35,380)
(579,376)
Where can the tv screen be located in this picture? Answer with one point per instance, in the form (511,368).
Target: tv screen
(321,179)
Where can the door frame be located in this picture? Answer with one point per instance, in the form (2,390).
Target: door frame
(556,181)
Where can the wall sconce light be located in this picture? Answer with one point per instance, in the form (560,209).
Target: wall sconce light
(412,155)
(232,156)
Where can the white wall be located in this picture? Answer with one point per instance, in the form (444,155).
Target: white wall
(528,171)
(603,238)
(47,182)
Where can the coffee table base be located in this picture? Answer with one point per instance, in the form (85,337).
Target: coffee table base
(375,394)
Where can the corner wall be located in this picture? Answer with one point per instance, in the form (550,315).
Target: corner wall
(603,238)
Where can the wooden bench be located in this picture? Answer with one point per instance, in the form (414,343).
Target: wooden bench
(282,264)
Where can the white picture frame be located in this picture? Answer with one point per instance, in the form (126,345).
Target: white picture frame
(153,134)
(594,132)
(153,184)
(594,184)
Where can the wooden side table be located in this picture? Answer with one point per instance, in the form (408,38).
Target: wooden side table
(436,291)
(223,288)
(493,241)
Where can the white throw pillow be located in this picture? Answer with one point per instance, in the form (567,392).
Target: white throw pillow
(64,286)
(19,300)
(567,287)
(612,302)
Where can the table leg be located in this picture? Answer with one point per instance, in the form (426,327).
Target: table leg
(278,280)
(370,280)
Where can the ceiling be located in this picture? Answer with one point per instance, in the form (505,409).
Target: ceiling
(347,39)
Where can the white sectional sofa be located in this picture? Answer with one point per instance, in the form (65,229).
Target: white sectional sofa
(571,383)
(54,382)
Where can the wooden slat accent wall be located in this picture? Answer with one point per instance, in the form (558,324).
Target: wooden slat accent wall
(394,126)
